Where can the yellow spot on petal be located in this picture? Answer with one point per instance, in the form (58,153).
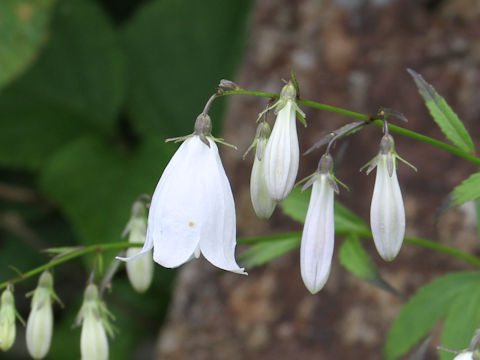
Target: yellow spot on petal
(191,224)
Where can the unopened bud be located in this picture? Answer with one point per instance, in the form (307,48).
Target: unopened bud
(226,85)
(40,321)
(7,320)
(95,325)
(140,270)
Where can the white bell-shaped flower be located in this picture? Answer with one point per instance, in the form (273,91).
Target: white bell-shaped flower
(192,210)
(40,320)
(282,152)
(387,213)
(318,235)
(262,202)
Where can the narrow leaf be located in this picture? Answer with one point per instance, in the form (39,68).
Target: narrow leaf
(468,190)
(443,115)
(431,302)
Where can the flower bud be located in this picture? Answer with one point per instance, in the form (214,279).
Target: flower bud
(95,325)
(282,152)
(387,213)
(140,270)
(7,320)
(262,202)
(318,235)
(40,321)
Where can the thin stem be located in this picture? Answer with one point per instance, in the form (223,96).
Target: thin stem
(69,256)
(209,103)
(393,128)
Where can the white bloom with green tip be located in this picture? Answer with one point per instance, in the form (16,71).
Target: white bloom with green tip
(140,270)
(7,320)
(282,152)
(40,321)
(94,317)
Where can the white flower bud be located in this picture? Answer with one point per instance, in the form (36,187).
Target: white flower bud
(282,152)
(140,270)
(40,321)
(318,235)
(94,317)
(262,202)
(387,213)
(7,320)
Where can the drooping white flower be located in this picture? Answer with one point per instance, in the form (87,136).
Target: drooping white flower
(282,152)
(7,320)
(40,321)
(94,317)
(140,270)
(467,355)
(318,235)
(387,213)
(192,210)
(262,202)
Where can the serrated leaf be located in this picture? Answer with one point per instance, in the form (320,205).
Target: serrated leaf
(75,88)
(443,115)
(95,184)
(468,190)
(178,50)
(346,222)
(462,320)
(353,256)
(431,302)
(263,252)
(23,31)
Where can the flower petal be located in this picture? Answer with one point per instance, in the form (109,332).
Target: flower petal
(282,154)
(318,236)
(218,231)
(387,213)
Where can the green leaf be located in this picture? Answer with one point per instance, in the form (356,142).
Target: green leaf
(462,320)
(346,222)
(353,256)
(266,251)
(431,302)
(178,50)
(75,88)
(96,183)
(468,190)
(443,115)
(23,31)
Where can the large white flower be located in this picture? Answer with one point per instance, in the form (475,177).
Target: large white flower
(318,235)
(192,209)
(387,213)
(467,355)
(282,152)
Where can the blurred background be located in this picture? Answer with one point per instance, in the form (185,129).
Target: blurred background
(89,90)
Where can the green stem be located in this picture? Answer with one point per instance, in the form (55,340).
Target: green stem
(69,256)
(396,129)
